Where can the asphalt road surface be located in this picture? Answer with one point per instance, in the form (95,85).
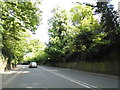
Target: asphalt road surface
(52,77)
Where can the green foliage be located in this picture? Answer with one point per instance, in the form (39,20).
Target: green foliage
(78,35)
(109,21)
(16,19)
(59,28)
(75,35)
(35,51)
(71,32)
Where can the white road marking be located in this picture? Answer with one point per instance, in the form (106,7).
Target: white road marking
(72,80)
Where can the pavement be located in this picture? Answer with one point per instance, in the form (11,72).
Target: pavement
(9,73)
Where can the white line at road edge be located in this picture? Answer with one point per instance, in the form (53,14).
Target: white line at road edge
(73,80)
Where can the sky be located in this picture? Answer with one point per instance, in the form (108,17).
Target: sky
(46,7)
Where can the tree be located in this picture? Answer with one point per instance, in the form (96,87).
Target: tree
(58,31)
(109,32)
(35,51)
(78,35)
(87,27)
(17,18)
(109,21)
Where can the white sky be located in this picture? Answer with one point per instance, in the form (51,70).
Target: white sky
(48,5)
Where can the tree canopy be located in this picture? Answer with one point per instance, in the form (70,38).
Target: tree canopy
(77,35)
(16,19)
(74,35)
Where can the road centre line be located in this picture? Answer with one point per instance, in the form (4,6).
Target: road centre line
(72,80)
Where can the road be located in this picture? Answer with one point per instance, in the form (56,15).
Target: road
(52,77)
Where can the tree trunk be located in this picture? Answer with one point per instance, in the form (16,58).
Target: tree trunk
(8,65)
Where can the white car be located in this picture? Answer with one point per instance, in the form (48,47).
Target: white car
(33,64)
